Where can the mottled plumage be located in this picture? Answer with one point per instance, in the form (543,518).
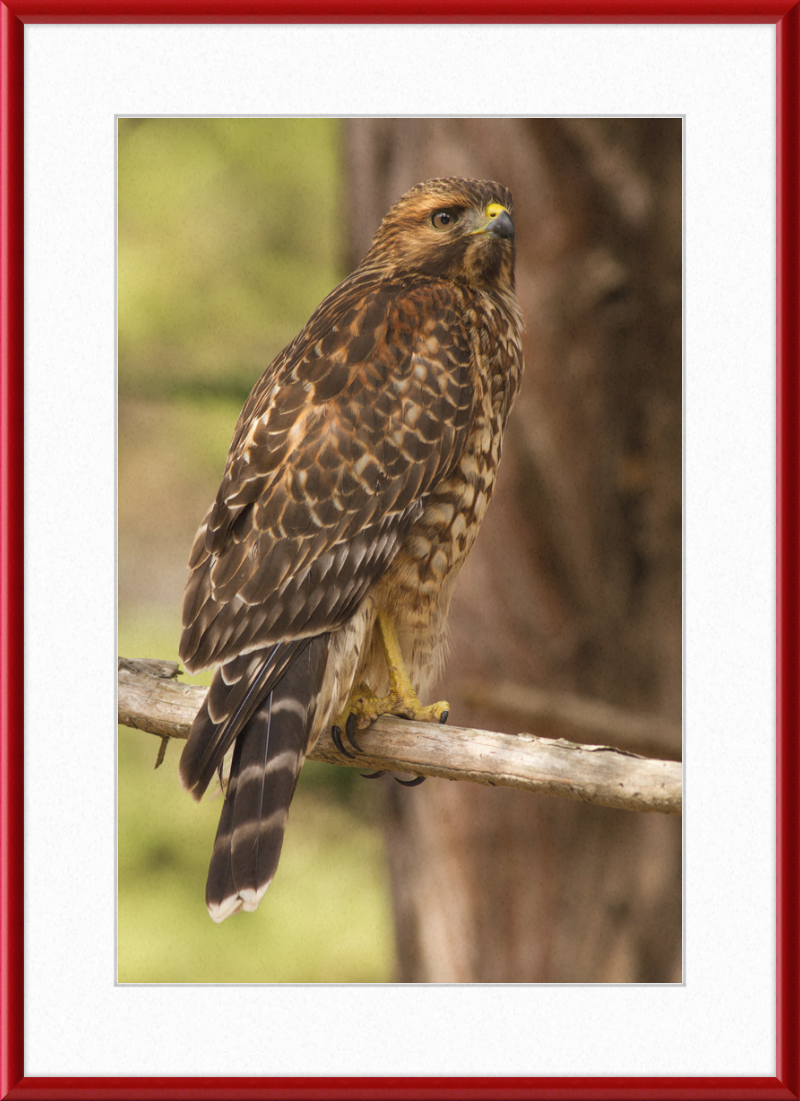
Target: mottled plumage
(357,478)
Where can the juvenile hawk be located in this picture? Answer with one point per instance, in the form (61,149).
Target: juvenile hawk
(357,479)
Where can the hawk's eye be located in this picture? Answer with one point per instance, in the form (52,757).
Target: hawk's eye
(444,219)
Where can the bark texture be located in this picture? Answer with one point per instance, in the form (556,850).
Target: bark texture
(149,698)
(574,585)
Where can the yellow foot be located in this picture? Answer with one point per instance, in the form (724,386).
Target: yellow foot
(364,706)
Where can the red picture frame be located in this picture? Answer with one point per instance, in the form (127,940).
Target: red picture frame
(13,16)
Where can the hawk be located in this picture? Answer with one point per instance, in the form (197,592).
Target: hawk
(358,476)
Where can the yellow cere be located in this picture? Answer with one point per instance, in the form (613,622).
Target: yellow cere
(493,209)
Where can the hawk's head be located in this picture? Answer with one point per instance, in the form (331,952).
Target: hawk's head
(449,229)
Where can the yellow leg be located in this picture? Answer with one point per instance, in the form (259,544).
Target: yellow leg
(401,699)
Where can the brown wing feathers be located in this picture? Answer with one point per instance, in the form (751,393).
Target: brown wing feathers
(282,551)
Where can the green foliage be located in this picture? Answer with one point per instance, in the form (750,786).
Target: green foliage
(230,234)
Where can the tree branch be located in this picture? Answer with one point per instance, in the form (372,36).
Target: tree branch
(150,698)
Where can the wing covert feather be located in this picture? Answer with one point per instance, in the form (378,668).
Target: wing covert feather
(339,443)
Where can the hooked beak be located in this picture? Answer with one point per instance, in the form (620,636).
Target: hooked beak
(501,226)
(498,223)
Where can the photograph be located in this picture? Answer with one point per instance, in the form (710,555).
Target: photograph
(398,443)
(400,549)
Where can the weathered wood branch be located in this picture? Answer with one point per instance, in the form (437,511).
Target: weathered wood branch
(150,698)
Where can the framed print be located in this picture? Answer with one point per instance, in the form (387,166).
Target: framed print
(74,1027)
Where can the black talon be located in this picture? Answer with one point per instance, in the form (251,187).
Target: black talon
(336,738)
(411,783)
(350,730)
(445,715)
(372,775)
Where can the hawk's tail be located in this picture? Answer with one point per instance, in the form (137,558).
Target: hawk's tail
(267,758)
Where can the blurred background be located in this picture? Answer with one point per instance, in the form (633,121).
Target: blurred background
(231,231)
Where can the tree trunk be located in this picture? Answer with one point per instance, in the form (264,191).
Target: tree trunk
(575,581)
